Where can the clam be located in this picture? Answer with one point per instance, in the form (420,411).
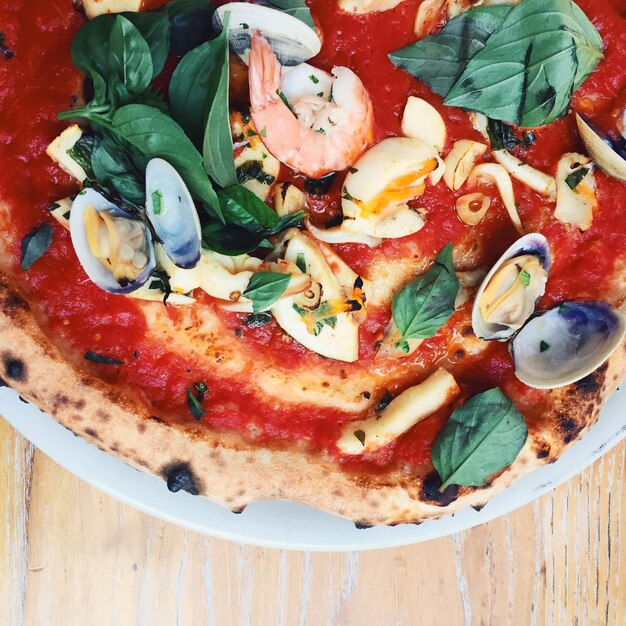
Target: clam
(565,344)
(608,155)
(507,296)
(114,247)
(173,213)
(292,41)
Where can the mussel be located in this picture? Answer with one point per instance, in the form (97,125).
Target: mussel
(608,155)
(508,294)
(172,213)
(565,344)
(292,41)
(114,247)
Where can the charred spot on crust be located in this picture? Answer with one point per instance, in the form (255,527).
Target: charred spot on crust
(90,432)
(239,510)
(13,301)
(592,383)
(543,450)
(3,383)
(478,507)
(568,427)
(362,525)
(431,493)
(156,418)
(14,368)
(180,477)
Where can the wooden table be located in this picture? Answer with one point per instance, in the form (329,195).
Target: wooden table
(72,556)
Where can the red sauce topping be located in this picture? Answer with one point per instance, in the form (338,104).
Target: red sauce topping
(39,81)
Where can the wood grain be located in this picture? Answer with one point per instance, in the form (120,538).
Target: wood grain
(70,556)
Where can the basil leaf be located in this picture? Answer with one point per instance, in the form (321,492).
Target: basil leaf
(438,60)
(191,24)
(540,55)
(217,147)
(480,438)
(290,220)
(256,320)
(103,360)
(501,135)
(426,303)
(229,239)
(155,29)
(297,8)
(189,88)
(35,244)
(575,178)
(265,288)
(117,164)
(158,135)
(129,56)
(194,405)
(242,208)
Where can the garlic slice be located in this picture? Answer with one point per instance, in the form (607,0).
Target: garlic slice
(575,206)
(472,207)
(412,406)
(494,173)
(421,120)
(460,161)
(341,234)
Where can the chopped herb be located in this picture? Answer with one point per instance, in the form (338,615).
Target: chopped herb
(53,206)
(194,405)
(320,94)
(529,138)
(314,79)
(263,132)
(501,135)
(321,131)
(238,332)
(346,195)
(202,390)
(264,155)
(543,346)
(524,277)
(157,202)
(253,170)
(135,354)
(244,26)
(252,133)
(330,94)
(360,435)
(353,170)
(103,360)
(35,244)
(301,263)
(575,178)
(283,97)
(256,320)
(327,321)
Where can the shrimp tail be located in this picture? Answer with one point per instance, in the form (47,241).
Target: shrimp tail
(264,73)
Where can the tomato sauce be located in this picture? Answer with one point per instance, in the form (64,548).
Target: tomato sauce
(39,81)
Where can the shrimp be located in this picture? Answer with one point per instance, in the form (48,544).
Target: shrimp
(319,136)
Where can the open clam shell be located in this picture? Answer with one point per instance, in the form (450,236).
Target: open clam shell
(609,156)
(565,344)
(114,248)
(292,41)
(173,214)
(510,290)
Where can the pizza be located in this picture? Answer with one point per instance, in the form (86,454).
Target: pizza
(368,255)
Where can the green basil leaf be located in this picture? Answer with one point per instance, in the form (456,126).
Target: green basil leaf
(438,60)
(194,405)
(35,244)
(229,239)
(501,135)
(480,438)
(242,208)
(426,303)
(265,288)
(297,8)
(155,29)
(158,135)
(540,55)
(191,24)
(119,165)
(286,221)
(256,320)
(129,56)
(101,359)
(217,148)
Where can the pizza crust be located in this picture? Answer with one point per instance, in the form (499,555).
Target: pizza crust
(228,470)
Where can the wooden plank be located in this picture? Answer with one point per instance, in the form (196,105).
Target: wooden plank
(71,555)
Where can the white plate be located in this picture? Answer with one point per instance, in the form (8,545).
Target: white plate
(279,524)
